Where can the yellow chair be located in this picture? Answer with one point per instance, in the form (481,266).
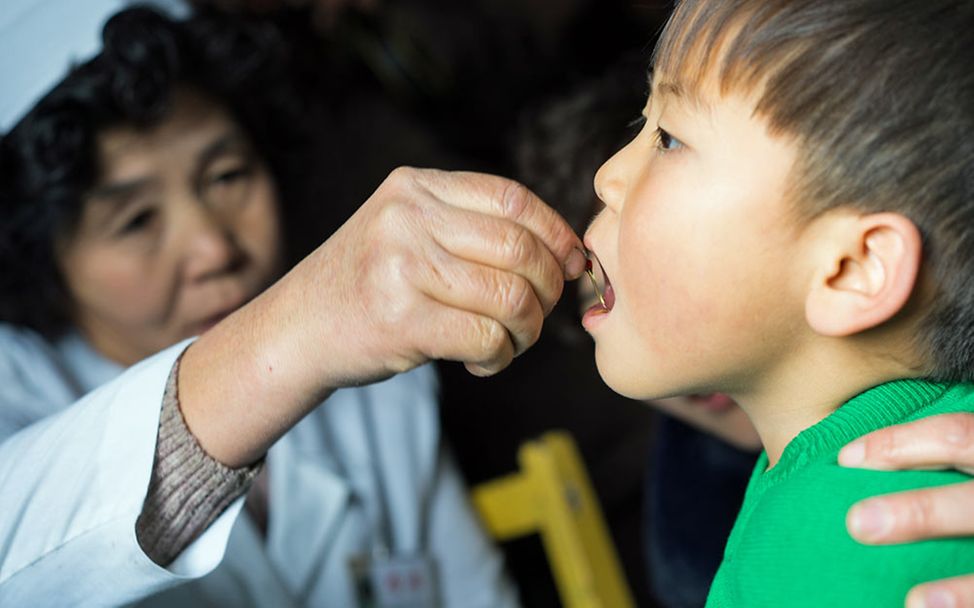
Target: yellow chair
(552,496)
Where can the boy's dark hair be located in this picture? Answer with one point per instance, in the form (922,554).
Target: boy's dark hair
(879,95)
(48,161)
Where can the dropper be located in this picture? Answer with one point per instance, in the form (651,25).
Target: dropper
(590,271)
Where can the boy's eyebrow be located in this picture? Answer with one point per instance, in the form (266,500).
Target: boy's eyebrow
(678,91)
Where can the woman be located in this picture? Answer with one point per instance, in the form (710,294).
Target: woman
(138,211)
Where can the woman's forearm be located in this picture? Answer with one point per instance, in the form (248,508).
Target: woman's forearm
(435,265)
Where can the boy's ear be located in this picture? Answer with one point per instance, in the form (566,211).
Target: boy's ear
(871,275)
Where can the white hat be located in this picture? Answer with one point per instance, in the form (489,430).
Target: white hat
(40,40)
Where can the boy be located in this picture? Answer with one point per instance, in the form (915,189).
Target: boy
(790,227)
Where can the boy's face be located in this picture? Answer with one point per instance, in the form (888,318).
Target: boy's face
(703,255)
(179,231)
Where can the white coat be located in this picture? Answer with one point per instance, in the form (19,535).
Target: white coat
(77,440)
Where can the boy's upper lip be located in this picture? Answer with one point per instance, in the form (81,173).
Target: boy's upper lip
(587,242)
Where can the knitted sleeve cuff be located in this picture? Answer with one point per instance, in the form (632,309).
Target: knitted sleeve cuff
(188,489)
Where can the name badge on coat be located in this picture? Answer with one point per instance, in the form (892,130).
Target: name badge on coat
(394,581)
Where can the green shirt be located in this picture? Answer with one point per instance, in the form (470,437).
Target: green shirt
(789,546)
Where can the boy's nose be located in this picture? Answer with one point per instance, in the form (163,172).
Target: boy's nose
(610,186)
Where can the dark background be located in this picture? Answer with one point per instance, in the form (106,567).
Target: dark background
(539,90)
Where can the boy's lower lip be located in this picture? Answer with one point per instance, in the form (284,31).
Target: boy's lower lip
(601,309)
(594,315)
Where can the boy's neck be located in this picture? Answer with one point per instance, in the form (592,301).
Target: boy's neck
(797,397)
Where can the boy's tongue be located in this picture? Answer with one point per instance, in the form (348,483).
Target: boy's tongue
(609,295)
(715,402)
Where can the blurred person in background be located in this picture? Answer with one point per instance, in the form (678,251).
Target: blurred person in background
(144,203)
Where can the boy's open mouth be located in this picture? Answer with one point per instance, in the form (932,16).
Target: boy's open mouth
(600,283)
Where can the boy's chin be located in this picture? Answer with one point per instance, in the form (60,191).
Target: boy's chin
(635,383)
(628,382)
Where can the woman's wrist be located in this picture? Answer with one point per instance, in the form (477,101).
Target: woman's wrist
(248,380)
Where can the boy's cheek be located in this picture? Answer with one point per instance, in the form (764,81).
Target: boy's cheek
(631,363)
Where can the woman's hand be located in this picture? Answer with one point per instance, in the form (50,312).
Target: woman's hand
(937,442)
(435,265)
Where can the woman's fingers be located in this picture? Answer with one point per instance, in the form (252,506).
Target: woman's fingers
(507,199)
(949,593)
(435,265)
(481,342)
(504,245)
(506,297)
(479,244)
(918,514)
(937,442)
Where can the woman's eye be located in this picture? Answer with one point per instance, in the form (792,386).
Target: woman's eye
(231,175)
(666,142)
(227,186)
(138,222)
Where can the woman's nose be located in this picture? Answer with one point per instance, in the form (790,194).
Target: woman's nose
(211,245)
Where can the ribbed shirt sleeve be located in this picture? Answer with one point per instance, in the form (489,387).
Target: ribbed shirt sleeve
(188,489)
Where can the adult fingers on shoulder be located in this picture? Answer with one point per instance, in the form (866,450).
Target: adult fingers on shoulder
(504,198)
(918,514)
(955,592)
(937,442)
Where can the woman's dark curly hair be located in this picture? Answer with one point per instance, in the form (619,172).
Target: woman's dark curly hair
(49,160)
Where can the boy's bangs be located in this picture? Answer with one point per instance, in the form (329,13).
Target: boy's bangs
(734,45)
(694,42)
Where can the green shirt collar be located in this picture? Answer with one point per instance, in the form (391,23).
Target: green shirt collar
(873,409)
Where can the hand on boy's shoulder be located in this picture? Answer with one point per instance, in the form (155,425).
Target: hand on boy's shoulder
(793,548)
(942,442)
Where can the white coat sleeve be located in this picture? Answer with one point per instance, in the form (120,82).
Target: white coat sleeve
(72,486)
(470,566)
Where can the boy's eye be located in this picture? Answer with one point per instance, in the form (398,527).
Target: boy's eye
(666,142)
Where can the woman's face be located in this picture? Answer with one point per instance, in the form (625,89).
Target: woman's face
(180,229)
